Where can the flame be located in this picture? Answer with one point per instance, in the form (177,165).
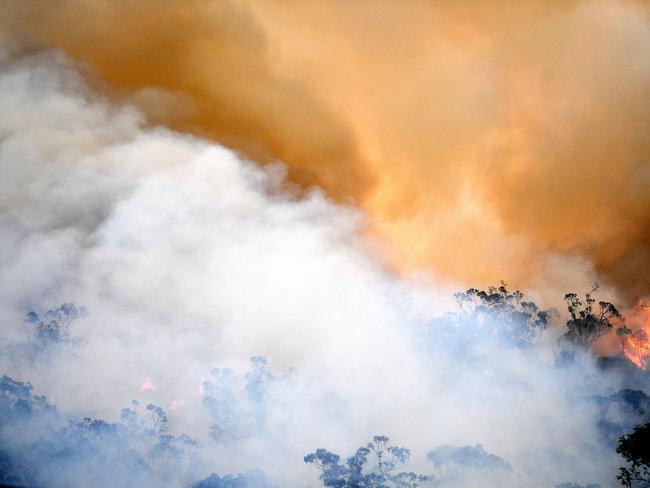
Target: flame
(637,348)
(147,385)
(176,404)
(636,345)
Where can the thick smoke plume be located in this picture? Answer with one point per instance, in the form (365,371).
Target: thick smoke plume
(188,259)
(496,140)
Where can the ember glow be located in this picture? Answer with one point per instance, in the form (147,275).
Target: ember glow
(636,346)
(147,385)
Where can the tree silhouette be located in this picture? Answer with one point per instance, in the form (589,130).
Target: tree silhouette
(635,448)
(352,475)
(497,312)
(588,323)
(452,462)
(51,332)
(250,479)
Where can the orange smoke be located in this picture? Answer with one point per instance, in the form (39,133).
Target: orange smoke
(488,140)
(200,66)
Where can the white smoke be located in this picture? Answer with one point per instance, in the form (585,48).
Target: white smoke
(188,257)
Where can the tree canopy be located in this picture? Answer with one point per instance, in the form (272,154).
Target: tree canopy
(635,449)
(496,312)
(589,323)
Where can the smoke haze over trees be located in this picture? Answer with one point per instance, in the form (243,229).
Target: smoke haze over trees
(517,130)
(174,314)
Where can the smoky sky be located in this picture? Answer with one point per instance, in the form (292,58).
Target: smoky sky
(188,257)
(310,182)
(486,141)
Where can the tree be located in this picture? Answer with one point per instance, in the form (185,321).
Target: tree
(159,419)
(635,448)
(236,403)
(44,447)
(250,479)
(452,462)
(51,332)
(588,324)
(54,326)
(623,333)
(576,485)
(497,312)
(351,475)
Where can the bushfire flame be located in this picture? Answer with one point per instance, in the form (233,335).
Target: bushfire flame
(147,385)
(637,348)
(636,345)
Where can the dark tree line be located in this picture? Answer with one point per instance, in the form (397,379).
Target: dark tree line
(635,449)
(504,314)
(379,464)
(354,473)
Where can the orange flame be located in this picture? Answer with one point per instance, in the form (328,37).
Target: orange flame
(176,404)
(147,385)
(636,346)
